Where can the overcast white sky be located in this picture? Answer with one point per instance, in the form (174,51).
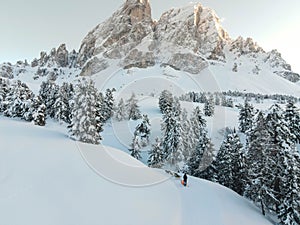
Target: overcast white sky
(30,26)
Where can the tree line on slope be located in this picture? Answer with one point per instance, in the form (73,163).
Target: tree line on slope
(226,98)
(266,170)
(81,106)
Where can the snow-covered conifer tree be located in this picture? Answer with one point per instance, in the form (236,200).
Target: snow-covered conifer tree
(49,93)
(132,108)
(281,138)
(4,89)
(187,135)
(292,117)
(289,212)
(202,155)
(62,103)
(156,155)
(246,117)
(39,111)
(209,106)
(18,100)
(172,135)
(143,131)
(120,111)
(259,164)
(108,104)
(86,124)
(135,148)
(229,163)
(198,124)
(165,101)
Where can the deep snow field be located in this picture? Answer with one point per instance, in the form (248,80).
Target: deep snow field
(47,178)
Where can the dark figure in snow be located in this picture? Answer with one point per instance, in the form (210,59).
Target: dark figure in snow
(184,181)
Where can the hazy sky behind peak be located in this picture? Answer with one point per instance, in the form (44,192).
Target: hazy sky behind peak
(28,27)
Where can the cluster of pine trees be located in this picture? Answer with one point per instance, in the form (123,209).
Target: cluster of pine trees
(17,100)
(82,107)
(183,137)
(209,100)
(128,110)
(267,169)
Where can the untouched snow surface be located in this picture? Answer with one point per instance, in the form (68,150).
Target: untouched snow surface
(46,178)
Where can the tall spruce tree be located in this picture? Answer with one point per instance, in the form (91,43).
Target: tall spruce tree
(198,124)
(165,101)
(108,105)
(259,171)
(49,92)
(172,135)
(86,122)
(289,209)
(62,103)
(39,111)
(187,135)
(281,138)
(209,106)
(230,164)
(292,117)
(202,156)
(246,116)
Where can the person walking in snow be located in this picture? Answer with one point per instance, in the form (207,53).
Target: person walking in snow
(184,179)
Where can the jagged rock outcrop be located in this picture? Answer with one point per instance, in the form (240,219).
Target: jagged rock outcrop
(240,46)
(194,28)
(121,33)
(57,62)
(59,57)
(93,66)
(275,60)
(139,59)
(187,62)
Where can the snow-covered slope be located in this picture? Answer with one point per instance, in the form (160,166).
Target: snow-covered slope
(46,178)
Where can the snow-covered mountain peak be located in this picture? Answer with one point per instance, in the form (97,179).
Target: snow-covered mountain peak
(196,28)
(116,36)
(188,38)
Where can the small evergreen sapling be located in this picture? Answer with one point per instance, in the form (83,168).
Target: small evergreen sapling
(135,148)
(120,111)
(132,108)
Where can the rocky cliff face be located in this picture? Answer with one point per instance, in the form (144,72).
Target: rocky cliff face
(190,38)
(117,36)
(57,61)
